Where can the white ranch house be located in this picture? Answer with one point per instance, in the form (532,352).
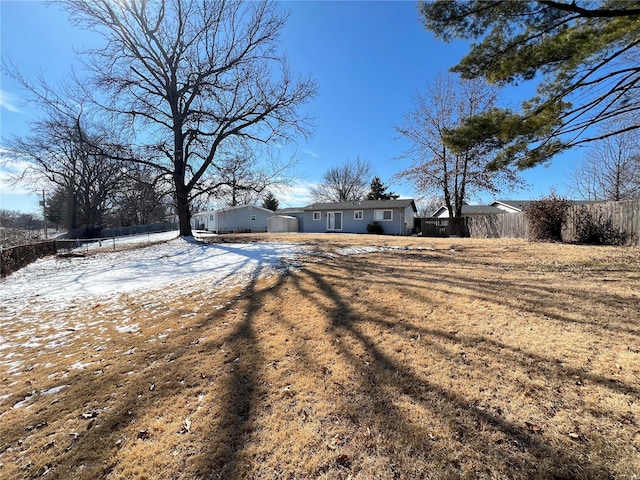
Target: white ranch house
(240,219)
(395,216)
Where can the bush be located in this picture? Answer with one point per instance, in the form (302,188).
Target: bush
(593,228)
(546,218)
(375,227)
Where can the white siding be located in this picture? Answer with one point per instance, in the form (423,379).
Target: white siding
(282,224)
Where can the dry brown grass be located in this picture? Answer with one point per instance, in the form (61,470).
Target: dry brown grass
(461,359)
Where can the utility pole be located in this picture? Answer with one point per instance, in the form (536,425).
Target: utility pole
(44,216)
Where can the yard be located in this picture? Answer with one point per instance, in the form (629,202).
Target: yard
(350,357)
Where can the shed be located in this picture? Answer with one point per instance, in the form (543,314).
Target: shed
(282,224)
(297,213)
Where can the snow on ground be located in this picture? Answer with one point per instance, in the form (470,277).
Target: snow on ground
(372,249)
(59,313)
(56,281)
(44,305)
(358,250)
(38,302)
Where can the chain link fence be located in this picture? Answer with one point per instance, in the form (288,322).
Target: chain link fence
(15,257)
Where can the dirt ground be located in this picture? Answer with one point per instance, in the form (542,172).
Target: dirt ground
(371,357)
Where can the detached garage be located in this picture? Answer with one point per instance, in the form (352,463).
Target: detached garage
(282,224)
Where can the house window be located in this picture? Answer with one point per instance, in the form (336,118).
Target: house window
(253,218)
(211,217)
(357,215)
(317,215)
(383,215)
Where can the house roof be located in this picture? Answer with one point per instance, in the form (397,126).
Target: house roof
(518,205)
(237,207)
(521,205)
(472,210)
(363,204)
(285,211)
(248,207)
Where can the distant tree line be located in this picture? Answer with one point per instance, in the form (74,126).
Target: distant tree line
(17,228)
(89,187)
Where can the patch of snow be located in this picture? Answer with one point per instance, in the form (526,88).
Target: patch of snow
(54,390)
(13,367)
(358,250)
(80,365)
(23,402)
(361,250)
(62,280)
(133,328)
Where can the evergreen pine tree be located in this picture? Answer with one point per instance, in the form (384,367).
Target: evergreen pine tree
(270,202)
(378,191)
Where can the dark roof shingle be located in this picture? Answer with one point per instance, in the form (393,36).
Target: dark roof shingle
(362,204)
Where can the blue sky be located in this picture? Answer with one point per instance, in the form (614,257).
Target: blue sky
(370,59)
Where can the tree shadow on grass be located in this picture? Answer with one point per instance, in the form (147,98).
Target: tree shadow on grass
(114,402)
(526,450)
(531,299)
(239,393)
(384,393)
(504,292)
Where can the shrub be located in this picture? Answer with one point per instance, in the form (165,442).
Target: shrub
(375,227)
(546,218)
(593,228)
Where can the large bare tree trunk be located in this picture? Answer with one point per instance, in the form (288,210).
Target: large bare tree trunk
(184,213)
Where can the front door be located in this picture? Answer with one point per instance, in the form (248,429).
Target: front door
(334,221)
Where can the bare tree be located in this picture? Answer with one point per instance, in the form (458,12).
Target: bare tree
(192,75)
(348,182)
(235,182)
(142,197)
(435,168)
(427,206)
(241,175)
(60,149)
(610,170)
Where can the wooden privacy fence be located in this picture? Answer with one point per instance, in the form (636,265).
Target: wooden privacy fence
(504,225)
(481,226)
(444,227)
(624,217)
